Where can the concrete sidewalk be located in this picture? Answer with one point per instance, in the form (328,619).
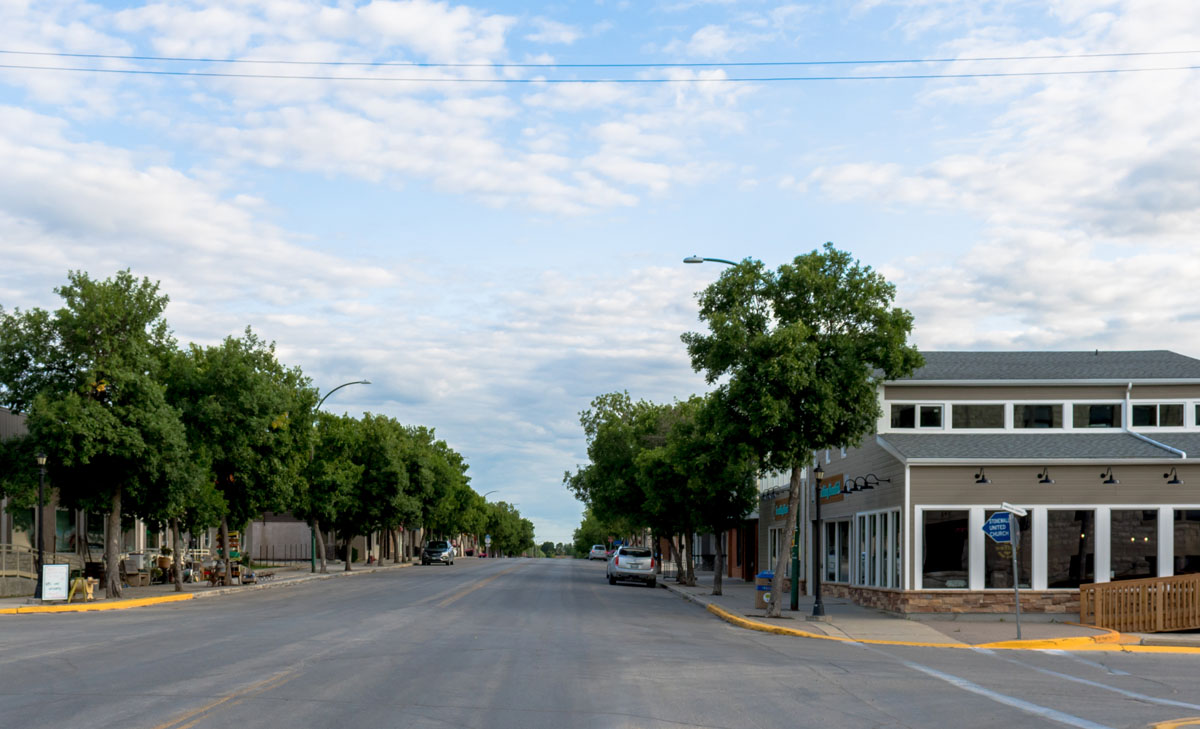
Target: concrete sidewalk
(132,597)
(847,621)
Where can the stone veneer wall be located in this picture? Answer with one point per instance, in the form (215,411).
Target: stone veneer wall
(957,601)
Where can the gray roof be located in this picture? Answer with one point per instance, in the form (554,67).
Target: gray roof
(1117,445)
(1158,364)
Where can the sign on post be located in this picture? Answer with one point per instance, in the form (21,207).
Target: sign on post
(997,528)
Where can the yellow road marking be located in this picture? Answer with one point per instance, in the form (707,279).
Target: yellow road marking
(475,587)
(196,715)
(105,605)
(1176,723)
(1100,643)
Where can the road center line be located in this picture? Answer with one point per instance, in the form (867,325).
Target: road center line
(474,587)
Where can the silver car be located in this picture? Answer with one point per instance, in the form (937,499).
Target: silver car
(635,564)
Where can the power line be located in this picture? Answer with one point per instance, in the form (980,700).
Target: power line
(733,64)
(536,81)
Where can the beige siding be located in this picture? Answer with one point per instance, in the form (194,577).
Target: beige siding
(869,458)
(1072,485)
(11,425)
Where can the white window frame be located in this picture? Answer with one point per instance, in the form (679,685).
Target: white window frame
(1005,418)
(1069,414)
(1066,415)
(1158,415)
(918,405)
(885,576)
(839,578)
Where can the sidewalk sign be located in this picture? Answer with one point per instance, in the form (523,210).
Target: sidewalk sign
(54,581)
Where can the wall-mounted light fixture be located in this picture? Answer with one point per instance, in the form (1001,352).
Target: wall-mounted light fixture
(981,477)
(1108,477)
(1044,476)
(865,483)
(1175,480)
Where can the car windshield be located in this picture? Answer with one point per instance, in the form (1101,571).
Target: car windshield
(635,552)
(438,545)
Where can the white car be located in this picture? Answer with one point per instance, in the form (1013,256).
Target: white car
(598,552)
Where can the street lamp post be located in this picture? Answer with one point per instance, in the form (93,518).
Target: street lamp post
(701,259)
(818,606)
(41,522)
(312,531)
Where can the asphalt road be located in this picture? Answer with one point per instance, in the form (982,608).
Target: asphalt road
(530,644)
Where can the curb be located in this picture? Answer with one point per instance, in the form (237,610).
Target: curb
(1110,641)
(184,596)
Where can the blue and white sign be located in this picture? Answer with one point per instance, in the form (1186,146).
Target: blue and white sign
(487,539)
(997,528)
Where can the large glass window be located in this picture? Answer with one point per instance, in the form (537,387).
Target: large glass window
(896,550)
(862,550)
(772,547)
(1187,541)
(997,558)
(885,550)
(1162,415)
(872,550)
(831,552)
(1037,416)
(843,551)
(931,416)
(978,416)
(1134,551)
(1105,415)
(945,549)
(1070,547)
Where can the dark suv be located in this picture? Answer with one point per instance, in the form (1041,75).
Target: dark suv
(437,551)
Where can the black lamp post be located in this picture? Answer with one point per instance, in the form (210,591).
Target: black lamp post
(818,606)
(41,522)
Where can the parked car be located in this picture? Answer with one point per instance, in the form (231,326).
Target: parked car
(437,551)
(635,564)
(598,552)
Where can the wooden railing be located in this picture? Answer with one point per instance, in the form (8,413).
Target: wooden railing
(17,562)
(1142,606)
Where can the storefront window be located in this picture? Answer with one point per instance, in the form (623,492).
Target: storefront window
(1187,541)
(1134,544)
(997,558)
(862,550)
(831,552)
(843,551)
(896,550)
(945,550)
(872,549)
(885,549)
(1070,547)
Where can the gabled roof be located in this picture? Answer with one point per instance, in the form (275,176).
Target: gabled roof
(1113,446)
(1157,364)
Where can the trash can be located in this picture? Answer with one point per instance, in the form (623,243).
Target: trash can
(762,588)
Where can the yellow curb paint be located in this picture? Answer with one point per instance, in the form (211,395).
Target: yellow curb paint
(1074,644)
(1176,723)
(104,605)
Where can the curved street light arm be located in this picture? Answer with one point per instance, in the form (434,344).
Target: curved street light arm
(344,384)
(701,259)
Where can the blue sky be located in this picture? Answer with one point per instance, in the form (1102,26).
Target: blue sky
(492,256)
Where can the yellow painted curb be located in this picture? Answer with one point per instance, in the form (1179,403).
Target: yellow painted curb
(100,605)
(1109,642)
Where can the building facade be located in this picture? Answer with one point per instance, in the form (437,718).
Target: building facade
(1102,449)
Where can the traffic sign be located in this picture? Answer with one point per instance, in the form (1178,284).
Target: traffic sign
(487,539)
(997,528)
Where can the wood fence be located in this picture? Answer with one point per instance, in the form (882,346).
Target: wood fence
(1142,606)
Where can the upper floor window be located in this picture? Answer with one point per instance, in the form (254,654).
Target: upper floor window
(977,416)
(1037,416)
(1160,415)
(914,416)
(1105,415)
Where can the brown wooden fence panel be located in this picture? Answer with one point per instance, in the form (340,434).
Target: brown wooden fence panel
(1142,606)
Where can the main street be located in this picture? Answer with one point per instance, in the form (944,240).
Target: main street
(517,643)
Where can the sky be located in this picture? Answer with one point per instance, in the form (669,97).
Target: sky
(493,245)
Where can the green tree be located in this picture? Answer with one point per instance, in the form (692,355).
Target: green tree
(90,376)
(249,418)
(799,354)
(547,549)
(330,477)
(379,497)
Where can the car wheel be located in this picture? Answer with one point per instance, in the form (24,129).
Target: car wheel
(650,583)
(612,580)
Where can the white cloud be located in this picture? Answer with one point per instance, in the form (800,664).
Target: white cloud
(552,31)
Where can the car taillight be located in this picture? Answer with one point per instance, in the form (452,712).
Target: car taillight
(616,561)
(651,563)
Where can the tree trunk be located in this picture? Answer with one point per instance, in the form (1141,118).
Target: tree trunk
(656,544)
(175,555)
(349,554)
(677,549)
(112,548)
(395,547)
(719,567)
(775,607)
(321,547)
(227,578)
(690,561)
